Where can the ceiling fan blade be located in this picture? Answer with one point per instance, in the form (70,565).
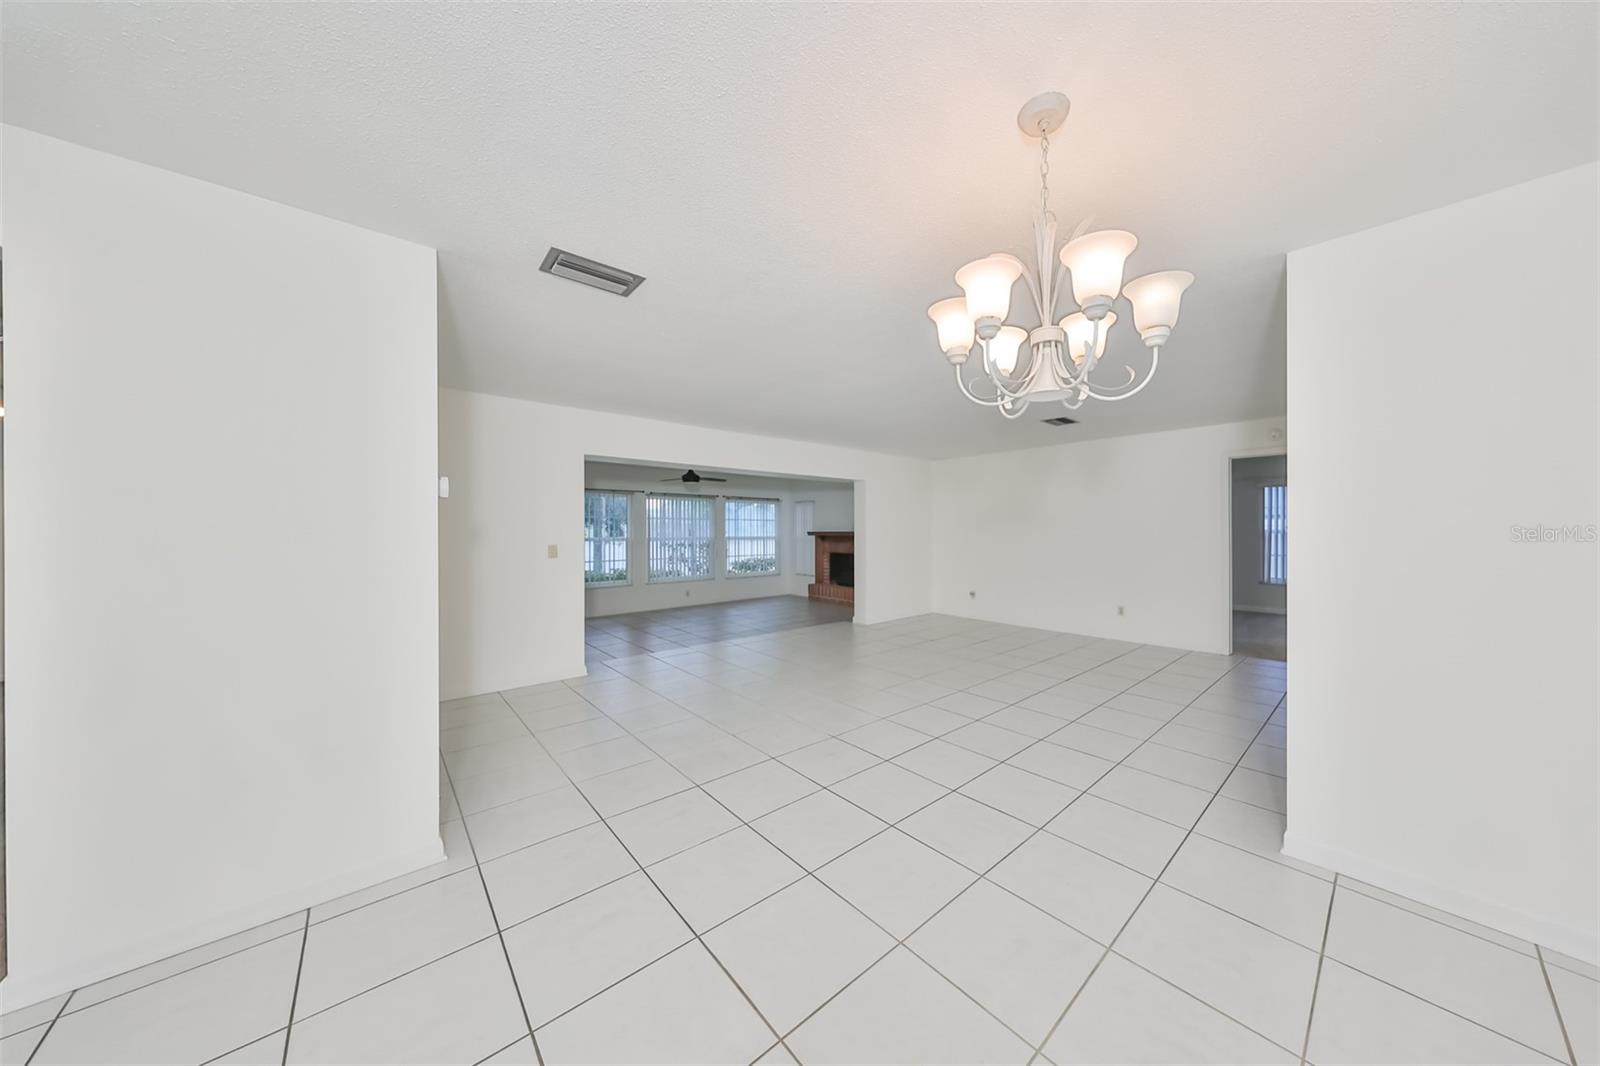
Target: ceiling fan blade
(667,479)
(704,478)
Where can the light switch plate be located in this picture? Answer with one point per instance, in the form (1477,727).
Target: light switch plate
(551,551)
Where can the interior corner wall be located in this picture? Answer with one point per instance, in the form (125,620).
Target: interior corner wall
(510,615)
(221,530)
(1443,737)
(1061,537)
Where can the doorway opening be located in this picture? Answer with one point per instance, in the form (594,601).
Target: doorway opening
(674,556)
(1259,601)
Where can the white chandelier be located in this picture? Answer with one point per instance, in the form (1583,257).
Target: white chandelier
(1062,353)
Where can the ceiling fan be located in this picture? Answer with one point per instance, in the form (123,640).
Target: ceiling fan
(689,477)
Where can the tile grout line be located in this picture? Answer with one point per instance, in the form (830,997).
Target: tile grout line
(1133,682)
(1349,884)
(812,875)
(508,1047)
(294,997)
(1544,971)
(1316,983)
(695,934)
(61,1010)
(1447,1010)
(1111,944)
(391,980)
(187,969)
(494,918)
(877,716)
(1033,742)
(901,942)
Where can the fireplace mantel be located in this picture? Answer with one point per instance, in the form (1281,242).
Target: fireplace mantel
(831,542)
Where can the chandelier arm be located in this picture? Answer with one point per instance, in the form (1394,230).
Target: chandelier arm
(1013,394)
(1033,286)
(974,397)
(1078,373)
(1073,374)
(1043,236)
(1020,409)
(1132,375)
(1004,394)
(1155,359)
(1097,345)
(994,376)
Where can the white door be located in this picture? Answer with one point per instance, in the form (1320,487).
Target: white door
(805,550)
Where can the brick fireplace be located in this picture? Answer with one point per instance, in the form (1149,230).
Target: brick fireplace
(835,580)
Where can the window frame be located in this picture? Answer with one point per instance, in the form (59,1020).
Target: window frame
(626,539)
(776,538)
(1274,516)
(650,577)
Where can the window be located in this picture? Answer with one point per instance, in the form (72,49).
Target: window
(679,533)
(750,530)
(1274,534)
(605,538)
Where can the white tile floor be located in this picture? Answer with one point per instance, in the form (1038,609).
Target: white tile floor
(934,840)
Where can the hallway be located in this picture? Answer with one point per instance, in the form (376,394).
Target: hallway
(1262,635)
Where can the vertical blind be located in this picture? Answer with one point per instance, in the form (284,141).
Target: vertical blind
(750,530)
(605,538)
(1274,534)
(678,532)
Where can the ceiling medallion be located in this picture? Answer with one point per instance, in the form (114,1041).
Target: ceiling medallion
(1061,353)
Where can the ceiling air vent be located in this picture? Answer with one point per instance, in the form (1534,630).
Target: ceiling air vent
(1061,420)
(588,272)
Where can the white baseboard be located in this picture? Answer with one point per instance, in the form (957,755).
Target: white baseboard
(1579,943)
(564,673)
(25,989)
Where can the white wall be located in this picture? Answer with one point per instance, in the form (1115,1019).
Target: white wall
(835,510)
(221,543)
(511,616)
(1249,591)
(1060,537)
(835,501)
(1442,391)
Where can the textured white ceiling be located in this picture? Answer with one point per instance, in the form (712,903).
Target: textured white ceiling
(799,181)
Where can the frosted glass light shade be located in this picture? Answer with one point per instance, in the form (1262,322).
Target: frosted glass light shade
(954,324)
(1096,261)
(987,283)
(1080,334)
(1004,346)
(1156,299)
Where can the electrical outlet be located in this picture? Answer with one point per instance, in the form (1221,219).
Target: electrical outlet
(550,550)
(685,593)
